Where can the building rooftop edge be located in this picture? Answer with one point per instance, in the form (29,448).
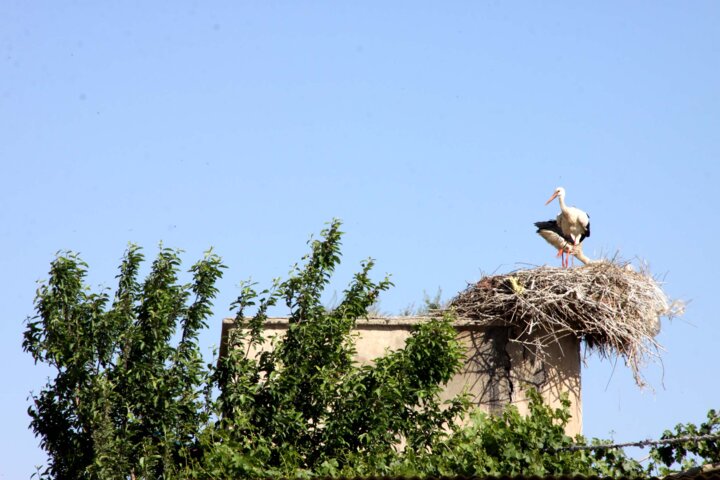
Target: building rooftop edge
(379,323)
(395,321)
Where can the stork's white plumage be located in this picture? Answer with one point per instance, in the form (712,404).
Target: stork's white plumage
(572,224)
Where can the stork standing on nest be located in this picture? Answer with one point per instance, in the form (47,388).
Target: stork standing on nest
(567,231)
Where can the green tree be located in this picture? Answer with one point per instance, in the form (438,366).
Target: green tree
(682,453)
(125,400)
(515,445)
(304,406)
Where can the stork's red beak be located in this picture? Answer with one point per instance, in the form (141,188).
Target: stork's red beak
(554,195)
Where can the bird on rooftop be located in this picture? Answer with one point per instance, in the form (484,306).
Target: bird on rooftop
(567,231)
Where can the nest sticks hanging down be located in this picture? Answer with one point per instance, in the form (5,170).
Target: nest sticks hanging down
(613,308)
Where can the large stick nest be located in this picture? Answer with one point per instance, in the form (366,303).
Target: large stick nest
(614,309)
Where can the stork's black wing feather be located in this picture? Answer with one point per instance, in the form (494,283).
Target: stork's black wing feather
(552,226)
(587,234)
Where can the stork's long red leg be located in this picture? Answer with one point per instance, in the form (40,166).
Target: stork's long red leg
(563,258)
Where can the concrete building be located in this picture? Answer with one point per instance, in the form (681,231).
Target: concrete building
(496,371)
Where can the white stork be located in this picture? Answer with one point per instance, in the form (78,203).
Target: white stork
(565,233)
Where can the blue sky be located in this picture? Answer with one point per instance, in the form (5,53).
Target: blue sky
(434,130)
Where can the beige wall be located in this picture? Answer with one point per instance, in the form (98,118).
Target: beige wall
(496,371)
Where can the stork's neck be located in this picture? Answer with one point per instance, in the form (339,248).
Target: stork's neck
(561,200)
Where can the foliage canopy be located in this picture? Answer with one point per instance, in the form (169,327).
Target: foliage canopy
(131,397)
